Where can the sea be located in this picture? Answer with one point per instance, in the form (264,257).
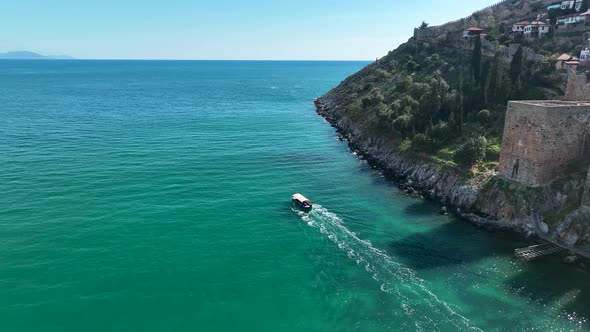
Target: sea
(156,196)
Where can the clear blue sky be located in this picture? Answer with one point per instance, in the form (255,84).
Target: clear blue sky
(220,29)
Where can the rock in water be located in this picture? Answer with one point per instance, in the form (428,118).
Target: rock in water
(570,259)
(444,210)
(571,238)
(544,228)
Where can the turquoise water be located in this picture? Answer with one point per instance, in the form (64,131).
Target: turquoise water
(154,196)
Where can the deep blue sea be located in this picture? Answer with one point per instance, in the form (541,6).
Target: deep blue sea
(155,196)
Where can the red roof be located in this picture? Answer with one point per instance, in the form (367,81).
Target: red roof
(474,29)
(537,23)
(575,62)
(522,23)
(563,57)
(576,14)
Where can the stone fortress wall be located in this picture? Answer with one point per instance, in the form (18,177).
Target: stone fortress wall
(577,87)
(541,138)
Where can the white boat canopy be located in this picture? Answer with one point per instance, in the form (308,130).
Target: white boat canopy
(300,198)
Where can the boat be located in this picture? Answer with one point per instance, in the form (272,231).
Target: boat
(302,201)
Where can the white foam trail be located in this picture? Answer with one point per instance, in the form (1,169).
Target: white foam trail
(395,278)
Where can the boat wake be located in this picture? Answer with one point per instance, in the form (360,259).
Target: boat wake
(427,311)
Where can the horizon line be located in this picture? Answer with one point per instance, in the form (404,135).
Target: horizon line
(253,60)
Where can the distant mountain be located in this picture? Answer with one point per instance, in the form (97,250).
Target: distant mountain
(26,55)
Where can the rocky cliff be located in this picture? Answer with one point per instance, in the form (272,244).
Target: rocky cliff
(431,113)
(486,200)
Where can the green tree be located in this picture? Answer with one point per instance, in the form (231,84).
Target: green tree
(473,151)
(423,26)
(485,82)
(585,6)
(459,104)
(503,88)
(441,132)
(484,117)
(516,65)
(493,80)
(431,102)
(476,59)
(423,143)
(404,124)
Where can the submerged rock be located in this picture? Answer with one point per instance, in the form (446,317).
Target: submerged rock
(570,259)
(444,210)
(544,228)
(571,238)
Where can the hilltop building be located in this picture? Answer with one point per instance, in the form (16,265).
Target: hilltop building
(568,4)
(554,6)
(536,29)
(559,63)
(563,5)
(531,30)
(585,54)
(518,28)
(575,19)
(472,32)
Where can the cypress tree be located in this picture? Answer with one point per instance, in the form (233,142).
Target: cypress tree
(486,80)
(458,109)
(476,59)
(516,65)
(494,80)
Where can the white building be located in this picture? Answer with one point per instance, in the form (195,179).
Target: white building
(536,29)
(574,19)
(568,4)
(585,55)
(518,28)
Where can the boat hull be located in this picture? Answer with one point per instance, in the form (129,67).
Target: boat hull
(302,206)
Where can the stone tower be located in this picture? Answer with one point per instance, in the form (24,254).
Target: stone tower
(542,137)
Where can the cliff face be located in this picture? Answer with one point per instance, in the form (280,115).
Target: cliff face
(486,200)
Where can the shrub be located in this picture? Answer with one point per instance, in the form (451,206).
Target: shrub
(441,132)
(381,74)
(422,142)
(405,145)
(473,151)
(493,152)
(484,117)
(403,124)
(368,86)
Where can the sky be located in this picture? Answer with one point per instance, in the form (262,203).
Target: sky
(220,29)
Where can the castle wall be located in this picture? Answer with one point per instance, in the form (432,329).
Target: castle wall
(522,143)
(541,138)
(577,86)
(424,34)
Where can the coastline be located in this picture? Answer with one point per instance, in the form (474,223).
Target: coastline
(479,202)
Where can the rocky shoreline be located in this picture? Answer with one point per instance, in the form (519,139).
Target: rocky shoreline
(485,206)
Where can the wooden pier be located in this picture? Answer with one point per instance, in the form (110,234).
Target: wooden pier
(536,251)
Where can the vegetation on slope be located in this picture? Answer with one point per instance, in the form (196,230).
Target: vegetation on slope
(440,99)
(444,98)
